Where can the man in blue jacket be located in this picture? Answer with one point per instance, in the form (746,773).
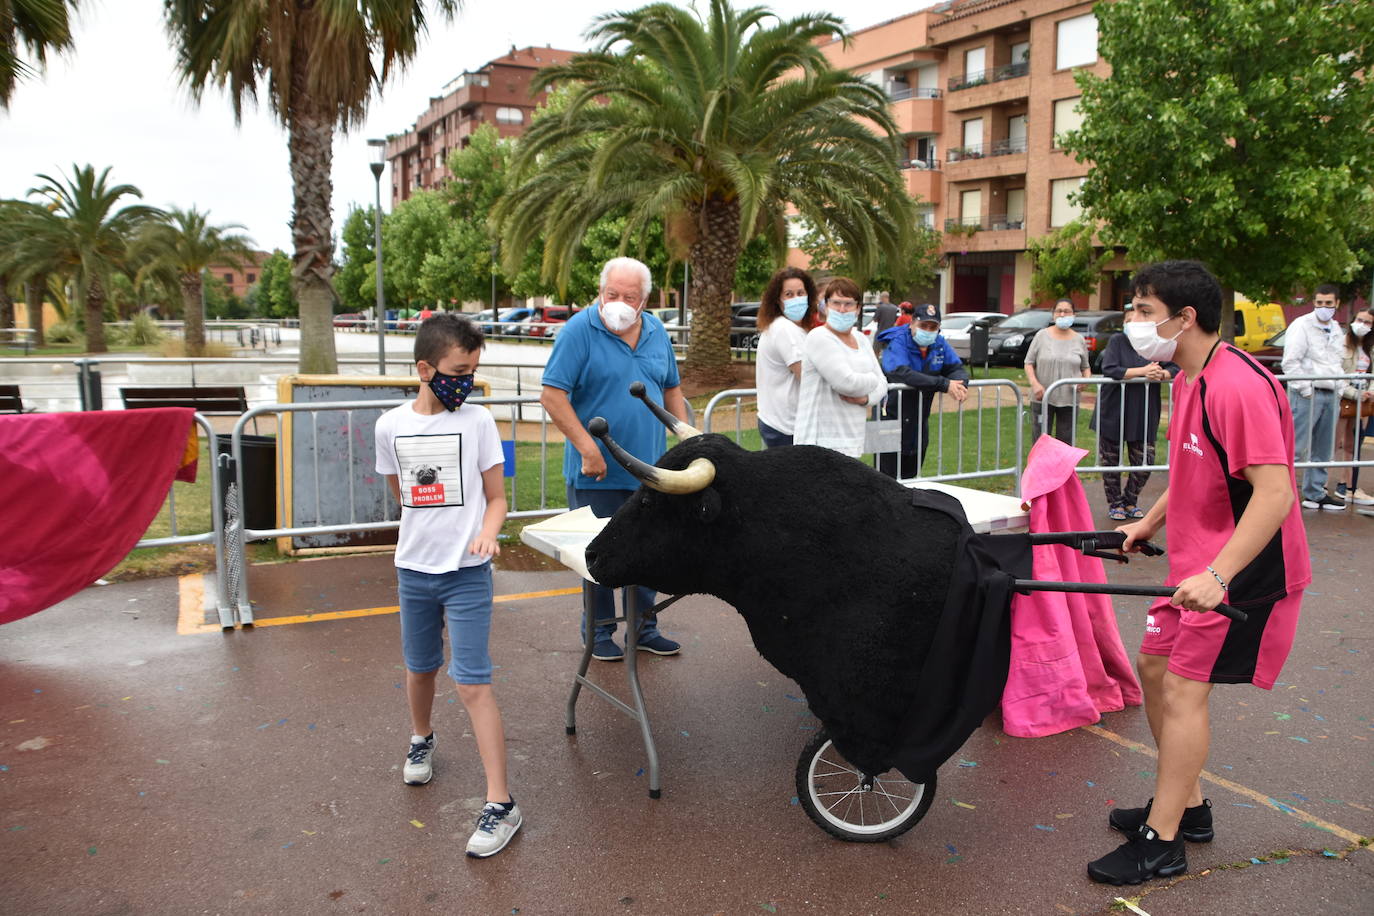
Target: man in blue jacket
(918,356)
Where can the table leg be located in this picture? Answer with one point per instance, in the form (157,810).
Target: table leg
(633,624)
(588,643)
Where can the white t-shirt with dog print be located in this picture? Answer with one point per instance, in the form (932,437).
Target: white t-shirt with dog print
(438,460)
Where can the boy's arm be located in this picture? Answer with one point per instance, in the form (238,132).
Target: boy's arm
(494,489)
(1270,502)
(1145,529)
(393,483)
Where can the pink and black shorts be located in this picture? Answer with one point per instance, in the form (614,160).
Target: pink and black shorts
(1212,648)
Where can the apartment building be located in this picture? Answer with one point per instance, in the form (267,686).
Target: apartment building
(981,90)
(240,278)
(498,93)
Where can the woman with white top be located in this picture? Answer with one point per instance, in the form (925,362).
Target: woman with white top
(1058,352)
(841,378)
(1356,398)
(786,312)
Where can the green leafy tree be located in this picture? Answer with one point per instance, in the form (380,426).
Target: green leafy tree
(178,249)
(356,278)
(411,234)
(220,301)
(40,27)
(275,291)
(28,258)
(321,62)
(713,124)
(916,263)
(80,230)
(1065,262)
(1237,132)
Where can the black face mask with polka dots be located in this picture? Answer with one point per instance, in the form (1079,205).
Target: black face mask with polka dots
(451,390)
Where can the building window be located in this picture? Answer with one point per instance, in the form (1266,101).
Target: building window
(972,139)
(510,116)
(975,62)
(971,207)
(1077,42)
(1062,210)
(925,216)
(252,278)
(1067,117)
(1016,208)
(1020,52)
(229,278)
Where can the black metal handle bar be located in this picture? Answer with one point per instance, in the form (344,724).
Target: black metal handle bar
(1102,588)
(1093,543)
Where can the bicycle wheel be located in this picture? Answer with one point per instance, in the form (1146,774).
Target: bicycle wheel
(855,806)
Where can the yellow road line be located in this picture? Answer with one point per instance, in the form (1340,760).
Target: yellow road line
(1223,782)
(184,627)
(191,606)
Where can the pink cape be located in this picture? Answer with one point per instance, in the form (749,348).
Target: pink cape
(1068,665)
(77,491)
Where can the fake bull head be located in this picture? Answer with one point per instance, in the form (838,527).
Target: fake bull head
(694,478)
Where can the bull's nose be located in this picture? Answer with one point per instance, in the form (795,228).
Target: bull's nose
(590,556)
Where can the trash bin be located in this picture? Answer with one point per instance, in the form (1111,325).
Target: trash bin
(978,343)
(258,501)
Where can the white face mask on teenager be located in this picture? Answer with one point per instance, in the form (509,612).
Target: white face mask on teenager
(1144,337)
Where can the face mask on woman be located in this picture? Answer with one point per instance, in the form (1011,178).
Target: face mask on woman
(795,308)
(1144,337)
(841,322)
(924,338)
(1064,322)
(1359,328)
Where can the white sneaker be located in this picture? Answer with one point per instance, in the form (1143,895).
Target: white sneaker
(1311,504)
(1363,499)
(495,827)
(419,768)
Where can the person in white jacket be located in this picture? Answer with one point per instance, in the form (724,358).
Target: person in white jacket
(841,379)
(1314,345)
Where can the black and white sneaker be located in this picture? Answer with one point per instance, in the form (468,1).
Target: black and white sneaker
(1143,856)
(1329,503)
(495,827)
(419,768)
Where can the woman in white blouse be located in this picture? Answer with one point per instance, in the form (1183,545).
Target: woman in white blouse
(786,312)
(841,379)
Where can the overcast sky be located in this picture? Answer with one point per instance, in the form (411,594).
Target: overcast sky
(115,102)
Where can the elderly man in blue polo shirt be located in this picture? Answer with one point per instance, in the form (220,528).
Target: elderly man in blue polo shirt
(596,356)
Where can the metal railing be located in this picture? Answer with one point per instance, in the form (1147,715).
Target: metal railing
(930,163)
(992,75)
(1003,221)
(1006,147)
(900,93)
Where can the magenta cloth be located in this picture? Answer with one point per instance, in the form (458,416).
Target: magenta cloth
(77,491)
(1068,664)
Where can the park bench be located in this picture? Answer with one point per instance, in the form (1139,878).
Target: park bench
(10,400)
(224,400)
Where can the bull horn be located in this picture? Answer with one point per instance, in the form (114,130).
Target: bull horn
(695,477)
(675,426)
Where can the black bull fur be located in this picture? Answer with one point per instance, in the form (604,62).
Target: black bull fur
(840,579)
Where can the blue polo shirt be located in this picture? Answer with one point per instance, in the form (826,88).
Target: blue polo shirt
(595,368)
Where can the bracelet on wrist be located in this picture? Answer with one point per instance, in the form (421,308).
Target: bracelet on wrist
(1220,581)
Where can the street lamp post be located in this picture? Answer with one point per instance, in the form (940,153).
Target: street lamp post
(377,164)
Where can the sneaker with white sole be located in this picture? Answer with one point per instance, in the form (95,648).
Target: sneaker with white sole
(1362,498)
(1329,503)
(1311,504)
(419,768)
(495,827)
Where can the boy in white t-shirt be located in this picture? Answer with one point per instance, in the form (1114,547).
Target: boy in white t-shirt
(443,462)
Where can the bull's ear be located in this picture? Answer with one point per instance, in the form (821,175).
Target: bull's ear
(707,507)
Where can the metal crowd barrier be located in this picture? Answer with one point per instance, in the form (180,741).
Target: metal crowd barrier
(984,398)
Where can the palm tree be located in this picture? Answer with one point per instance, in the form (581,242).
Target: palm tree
(179,248)
(317,60)
(76,231)
(718,124)
(39,25)
(22,260)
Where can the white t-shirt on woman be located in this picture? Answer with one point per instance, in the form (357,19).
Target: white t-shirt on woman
(831,369)
(779,347)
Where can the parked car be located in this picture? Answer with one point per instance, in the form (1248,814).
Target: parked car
(744,323)
(351,320)
(1097,328)
(667,316)
(547,319)
(486,320)
(956,327)
(1009,340)
(1256,323)
(513,319)
(1271,354)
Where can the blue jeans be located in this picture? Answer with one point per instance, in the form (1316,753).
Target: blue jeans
(603,504)
(1314,426)
(771,437)
(462,599)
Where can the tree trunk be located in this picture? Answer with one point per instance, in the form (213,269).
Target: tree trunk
(1228,314)
(310,130)
(714,255)
(95,317)
(33,304)
(193,314)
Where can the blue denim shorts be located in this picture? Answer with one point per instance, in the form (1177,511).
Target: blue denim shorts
(462,599)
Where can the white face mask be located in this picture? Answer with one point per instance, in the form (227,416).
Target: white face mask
(618,317)
(1144,337)
(1324,313)
(1064,322)
(1359,328)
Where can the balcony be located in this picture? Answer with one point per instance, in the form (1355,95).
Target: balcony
(899,93)
(923,179)
(919,111)
(1007,147)
(977,233)
(983,77)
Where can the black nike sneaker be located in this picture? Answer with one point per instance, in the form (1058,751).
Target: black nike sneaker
(1195,827)
(1143,856)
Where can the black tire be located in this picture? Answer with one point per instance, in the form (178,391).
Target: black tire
(895,803)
